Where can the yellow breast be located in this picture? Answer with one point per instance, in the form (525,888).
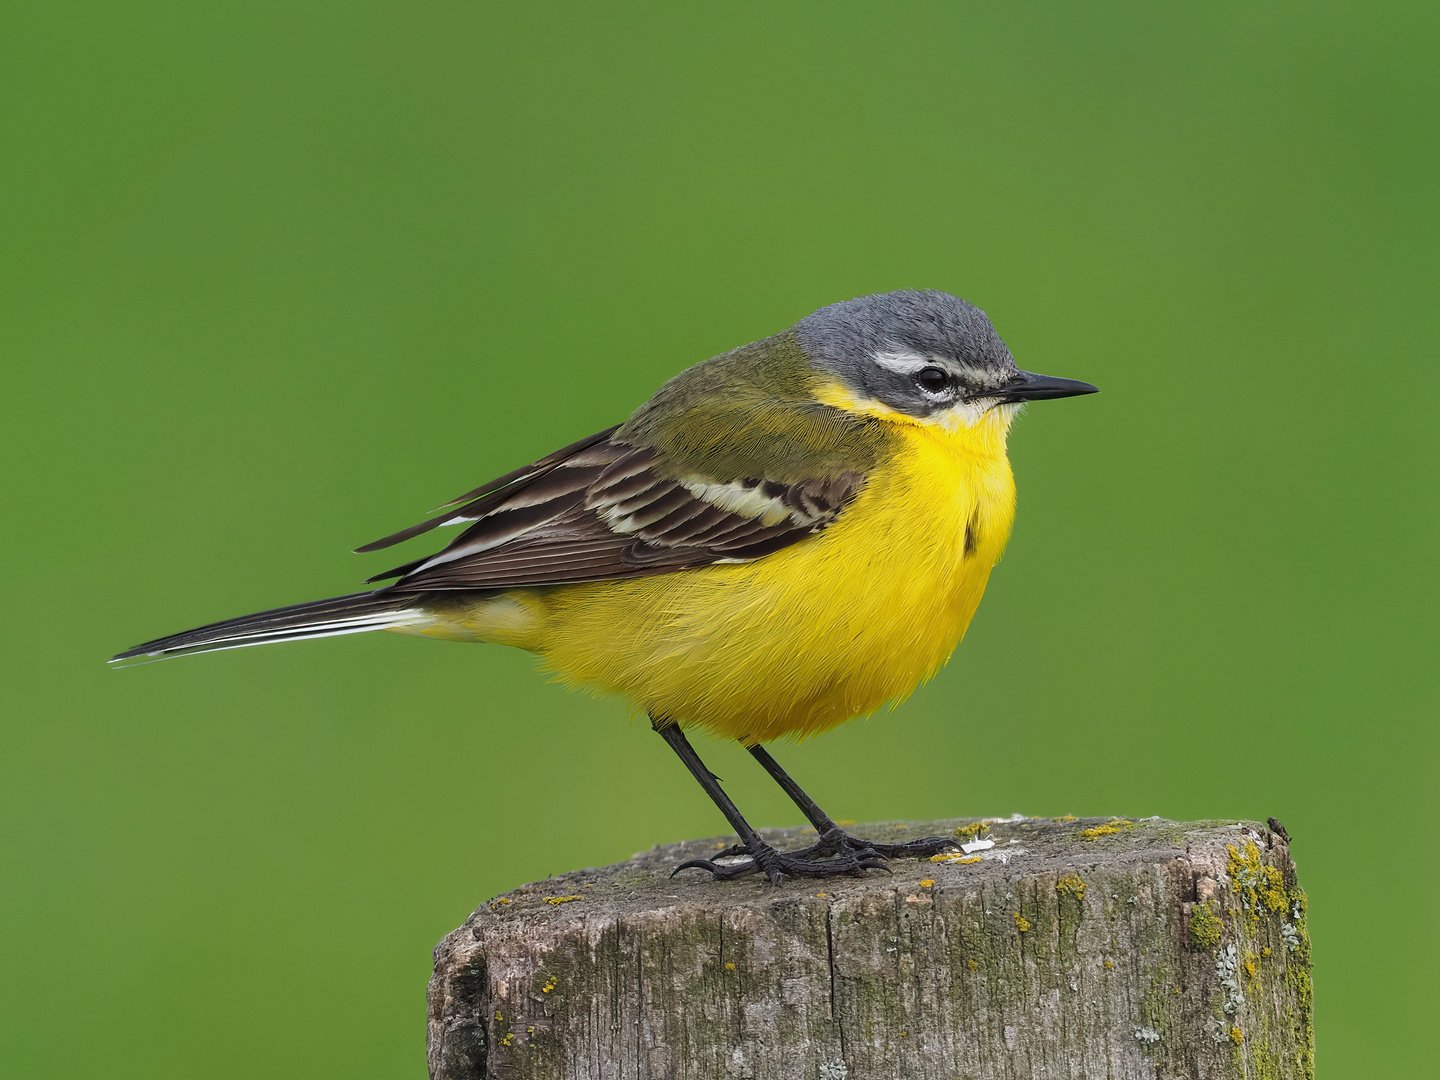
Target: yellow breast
(822,631)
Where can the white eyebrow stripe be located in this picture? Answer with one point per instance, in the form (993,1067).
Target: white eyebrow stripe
(902,361)
(906,362)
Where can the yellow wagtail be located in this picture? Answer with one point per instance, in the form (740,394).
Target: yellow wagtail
(784,537)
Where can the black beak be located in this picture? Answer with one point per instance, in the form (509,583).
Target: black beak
(1027,386)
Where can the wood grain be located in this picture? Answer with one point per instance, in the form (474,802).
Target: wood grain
(1073,948)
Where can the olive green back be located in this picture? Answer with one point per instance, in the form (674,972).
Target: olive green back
(751,412)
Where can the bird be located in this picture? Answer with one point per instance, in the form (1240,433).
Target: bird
(784,537)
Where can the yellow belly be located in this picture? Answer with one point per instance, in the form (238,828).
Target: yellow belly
(804,639)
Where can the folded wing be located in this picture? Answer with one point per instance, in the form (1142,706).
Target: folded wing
(603,508)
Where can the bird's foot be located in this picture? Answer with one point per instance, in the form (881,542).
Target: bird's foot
(777,865)
(837,841)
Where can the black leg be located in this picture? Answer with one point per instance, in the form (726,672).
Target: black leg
(807,805)
(672,734)
(762,856)
(833,839)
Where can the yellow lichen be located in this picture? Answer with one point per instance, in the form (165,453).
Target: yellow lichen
(1261,887)
(1071,885)
(562,899)
(971,964)
(1110,828)
(927,883)
(1272,891)
(973,829)
(550,984)
(1249,964)
(1237,1036)
(1205,927)
(509,1039)
(1109,966)
(954,857)
(1066,819)
(729,966)
(1021,923)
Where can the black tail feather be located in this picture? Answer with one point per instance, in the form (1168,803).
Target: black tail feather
(351,614)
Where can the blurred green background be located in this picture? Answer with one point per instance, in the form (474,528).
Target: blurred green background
(278,277)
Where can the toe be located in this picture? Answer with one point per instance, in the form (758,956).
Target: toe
(695,864)
(720,872)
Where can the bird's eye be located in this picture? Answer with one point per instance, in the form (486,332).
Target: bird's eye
(932,379)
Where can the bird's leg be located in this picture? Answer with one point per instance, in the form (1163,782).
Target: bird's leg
(833,839)
(762,856)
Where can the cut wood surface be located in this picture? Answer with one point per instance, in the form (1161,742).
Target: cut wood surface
(1110,948)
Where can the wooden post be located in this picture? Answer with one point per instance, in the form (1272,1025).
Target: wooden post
(1070,948)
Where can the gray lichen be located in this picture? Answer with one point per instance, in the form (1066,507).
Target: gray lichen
(1227,971)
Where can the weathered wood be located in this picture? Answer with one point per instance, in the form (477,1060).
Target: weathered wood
(1072,948)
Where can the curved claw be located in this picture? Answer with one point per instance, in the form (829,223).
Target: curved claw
(720,873)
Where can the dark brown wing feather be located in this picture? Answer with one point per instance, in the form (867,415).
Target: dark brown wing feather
(603,509)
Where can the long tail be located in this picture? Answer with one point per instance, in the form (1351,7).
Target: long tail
(353,614)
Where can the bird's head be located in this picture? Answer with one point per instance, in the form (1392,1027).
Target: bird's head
(925,355)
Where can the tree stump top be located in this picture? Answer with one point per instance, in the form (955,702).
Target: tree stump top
(1067,947)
